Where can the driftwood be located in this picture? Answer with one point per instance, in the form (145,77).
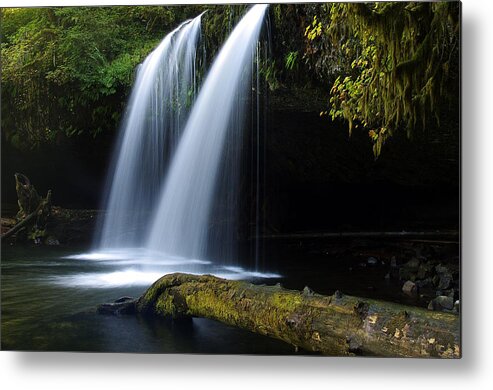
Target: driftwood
(337,325)
(33,210)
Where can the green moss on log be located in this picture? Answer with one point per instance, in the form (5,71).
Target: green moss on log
(333,325)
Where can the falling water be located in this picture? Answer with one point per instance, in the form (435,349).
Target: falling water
(183,218)
(156,114)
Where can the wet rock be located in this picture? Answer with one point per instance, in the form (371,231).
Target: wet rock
(407,274)
(441,302)
(444,281)
(410,288)
(409,270)
(372,261)
(445,302)
(308,291)
(441,269)
(124,305)
(123,299)
(424,283)
(51,240)
(425,270)
(413,263)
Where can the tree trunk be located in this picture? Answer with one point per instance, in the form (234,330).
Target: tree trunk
(336,325)
(39,217)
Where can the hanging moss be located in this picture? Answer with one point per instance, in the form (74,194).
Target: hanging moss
(401,55)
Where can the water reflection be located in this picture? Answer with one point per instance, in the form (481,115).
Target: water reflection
(49,298)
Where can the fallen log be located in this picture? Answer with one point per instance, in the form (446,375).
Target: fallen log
(337,325)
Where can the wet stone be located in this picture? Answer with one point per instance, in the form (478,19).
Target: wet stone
(410,288)
(372,261)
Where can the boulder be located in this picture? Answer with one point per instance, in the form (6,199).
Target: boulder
(410,288)
(409,270)
(425,270)
(372,261)
(440,303)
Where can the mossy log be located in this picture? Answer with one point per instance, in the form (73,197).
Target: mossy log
(336,325)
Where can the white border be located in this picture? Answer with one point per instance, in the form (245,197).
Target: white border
(20,370)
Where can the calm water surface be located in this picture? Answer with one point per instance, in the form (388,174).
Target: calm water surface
(48,303)
(49,296)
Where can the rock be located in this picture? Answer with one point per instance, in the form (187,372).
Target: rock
(51,240)
(413,263)
(393,262)
(440,269)
(410,288)
(425,270)
(440,303)
(424,283)
(444,281)
(445,302)
(127,306)
(457,305)
(308,291)
(407,274)
(372,261)
(123,299)
(409,270)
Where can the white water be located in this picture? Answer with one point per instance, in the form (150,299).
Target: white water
(203,177)
(183,216)
(139,267)
(155,117)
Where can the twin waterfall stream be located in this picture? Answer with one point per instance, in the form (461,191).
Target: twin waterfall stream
(173,189)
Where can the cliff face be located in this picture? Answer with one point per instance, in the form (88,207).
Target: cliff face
(318,175)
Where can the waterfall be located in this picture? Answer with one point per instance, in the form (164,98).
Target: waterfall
(183,218)
(156,113)
(183,173)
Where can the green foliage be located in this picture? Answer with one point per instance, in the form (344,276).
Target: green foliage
(291,60)
(390,66)
(398,62)
(67,70)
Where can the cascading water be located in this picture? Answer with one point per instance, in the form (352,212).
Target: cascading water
(197,208)
(182,220)
(157,111)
